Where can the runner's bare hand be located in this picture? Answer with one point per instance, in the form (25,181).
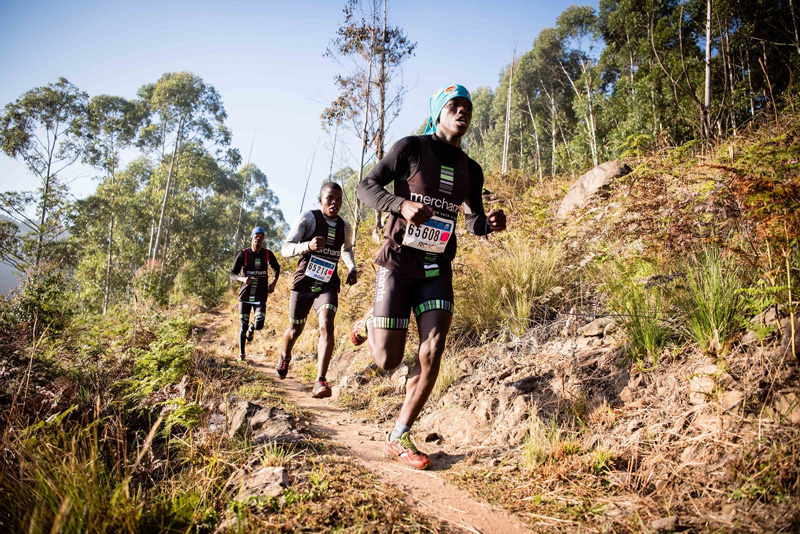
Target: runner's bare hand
(496,220)
(352,278)
(415,212)
(318,243)
(271,287)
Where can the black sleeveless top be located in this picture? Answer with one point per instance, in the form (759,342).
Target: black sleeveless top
(321,260)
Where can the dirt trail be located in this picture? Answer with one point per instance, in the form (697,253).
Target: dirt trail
(427,489)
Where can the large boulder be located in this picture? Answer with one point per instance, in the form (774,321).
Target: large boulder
(591,184)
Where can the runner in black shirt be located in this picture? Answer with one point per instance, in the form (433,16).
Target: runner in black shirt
(319,238)
(250,268)
(432,179)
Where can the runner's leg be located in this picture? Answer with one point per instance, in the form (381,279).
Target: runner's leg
(260,317)
(433,328)
(389,326)
(299,306)
(387,347)
(326,341)
(244,323)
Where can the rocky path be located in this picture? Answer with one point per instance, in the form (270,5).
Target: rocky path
(431,493)
(427,488)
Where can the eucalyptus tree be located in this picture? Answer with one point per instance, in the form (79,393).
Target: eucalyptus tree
(186,110)
(576,27)
(364,38)
(111,124)
(40,129)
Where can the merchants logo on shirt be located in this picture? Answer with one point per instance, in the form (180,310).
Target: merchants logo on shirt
(446,180)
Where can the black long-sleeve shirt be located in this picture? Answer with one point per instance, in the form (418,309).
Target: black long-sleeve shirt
(433,172)
(253,264)
(402,160)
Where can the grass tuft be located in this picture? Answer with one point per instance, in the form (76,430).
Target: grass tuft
(711,301)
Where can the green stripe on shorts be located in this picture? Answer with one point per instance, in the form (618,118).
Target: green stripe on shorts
(390,323)
(435,304)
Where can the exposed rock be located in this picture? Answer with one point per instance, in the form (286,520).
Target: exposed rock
(274,425)
(626,395)
(216,422)
(596,327)
(786,340)
(591,184)
(456,425)
(787,407)
(351,382)
(265,482)
(241,412)
(665,524)
(706,382)
(731,399)
(484,408)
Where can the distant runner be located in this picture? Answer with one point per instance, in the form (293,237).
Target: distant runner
(432,178)
(250,268)
(320,238)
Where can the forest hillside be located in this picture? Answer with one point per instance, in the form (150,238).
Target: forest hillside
(623,358)
(628,366)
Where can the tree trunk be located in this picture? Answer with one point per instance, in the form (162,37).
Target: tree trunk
(794,27)
(45,195)
(380,140)
(357,222)
(506,135)
(592,129)
(107,290)
(707,99)
(536,138)
(166,189)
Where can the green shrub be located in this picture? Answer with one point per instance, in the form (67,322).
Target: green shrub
(643,311)
(167,359)
(711,300)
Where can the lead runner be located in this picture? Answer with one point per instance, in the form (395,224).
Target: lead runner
(432,178)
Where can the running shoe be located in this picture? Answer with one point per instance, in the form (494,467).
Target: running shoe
(241,357)
(250,330)
(321,389)
(358,332)
(404,450)
(283,366)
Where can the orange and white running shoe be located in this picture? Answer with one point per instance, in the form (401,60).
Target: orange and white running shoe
(404,450)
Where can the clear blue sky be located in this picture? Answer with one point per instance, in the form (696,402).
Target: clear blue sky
(265,58)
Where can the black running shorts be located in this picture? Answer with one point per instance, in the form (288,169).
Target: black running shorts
(300,303)
(397,294)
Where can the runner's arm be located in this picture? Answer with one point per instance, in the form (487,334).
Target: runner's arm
(348,257)
(297,240)
(394,165)
(275,266)
(474,215)
(238,263)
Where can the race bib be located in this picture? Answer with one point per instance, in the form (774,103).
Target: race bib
(432,236)
(320,269)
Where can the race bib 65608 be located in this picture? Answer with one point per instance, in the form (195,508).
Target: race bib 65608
(431,236)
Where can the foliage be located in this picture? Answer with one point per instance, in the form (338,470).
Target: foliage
(711,301)
(40,128)
(642,309)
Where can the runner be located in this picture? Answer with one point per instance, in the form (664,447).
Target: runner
(432,177)
(250,268)
(320,238)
